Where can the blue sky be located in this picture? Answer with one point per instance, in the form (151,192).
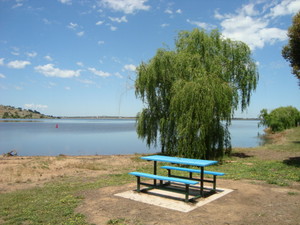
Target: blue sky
(78,57)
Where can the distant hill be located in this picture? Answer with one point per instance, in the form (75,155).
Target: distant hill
(10,112)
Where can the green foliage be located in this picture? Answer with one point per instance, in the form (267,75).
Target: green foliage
(118,221)
(6,115)
(291,52)
(280,119)
(189,91)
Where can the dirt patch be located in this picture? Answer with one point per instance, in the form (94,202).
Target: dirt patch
(249,203)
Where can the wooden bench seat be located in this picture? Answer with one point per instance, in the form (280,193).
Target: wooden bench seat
(162,185)
(191,171)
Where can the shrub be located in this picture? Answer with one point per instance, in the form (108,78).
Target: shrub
(280,119)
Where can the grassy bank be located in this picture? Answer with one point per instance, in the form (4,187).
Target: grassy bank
(55,201)
(52,204)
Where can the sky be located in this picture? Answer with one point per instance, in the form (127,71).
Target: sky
(79,57)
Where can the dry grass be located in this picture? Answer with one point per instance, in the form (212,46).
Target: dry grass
(25,172)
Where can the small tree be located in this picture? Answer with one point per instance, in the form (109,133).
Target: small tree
(189,91)
(280,119)
(5,115)
(291,52)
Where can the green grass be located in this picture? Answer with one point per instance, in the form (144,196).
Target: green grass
(52,204)
(271,171)
(292,143)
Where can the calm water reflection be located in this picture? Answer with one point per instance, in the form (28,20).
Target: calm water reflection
(90,137)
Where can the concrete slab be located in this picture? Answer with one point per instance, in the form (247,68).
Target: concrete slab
(171,200)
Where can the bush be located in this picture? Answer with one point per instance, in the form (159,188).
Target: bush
(5,115)
(280,119)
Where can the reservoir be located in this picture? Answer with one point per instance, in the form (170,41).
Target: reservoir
(51,137)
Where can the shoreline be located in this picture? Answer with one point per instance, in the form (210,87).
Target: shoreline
(84,187)
(93,118)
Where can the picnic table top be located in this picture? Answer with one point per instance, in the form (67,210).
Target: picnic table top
(178,160)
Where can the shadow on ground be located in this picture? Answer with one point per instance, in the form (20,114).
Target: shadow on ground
(241,155)
(292,161)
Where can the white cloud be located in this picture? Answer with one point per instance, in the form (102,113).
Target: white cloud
(15,53)
(179,11)
(67,88)
(112,28)
(76,27)
(2,87)
(165,25)
(250,26)
(17,5)
(35,106)
(99,72)
(126,6)
(218,15)
(1,61)
(119,20)
(80,34)
(99,23)
(72,26)
(2,75)
(67,2)
(171,12)
(31,54)
(50,71)
(200,24)
(130,67)
(249,10)
(117,74)
(286,7)
(86,81)
(168,11)
(48,57)
(100,42)
(18,64)
(52,84)
(46,21)
(80,64)
(18,88)
(116,59)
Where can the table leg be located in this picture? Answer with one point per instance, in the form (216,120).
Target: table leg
(202,181)
(155,171)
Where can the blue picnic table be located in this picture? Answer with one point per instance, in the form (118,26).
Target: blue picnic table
(182,161)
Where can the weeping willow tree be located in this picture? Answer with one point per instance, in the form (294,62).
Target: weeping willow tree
(190,94)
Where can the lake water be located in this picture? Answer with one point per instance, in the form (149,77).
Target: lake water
(91,137)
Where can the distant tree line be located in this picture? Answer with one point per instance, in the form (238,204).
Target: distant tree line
(280,118)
